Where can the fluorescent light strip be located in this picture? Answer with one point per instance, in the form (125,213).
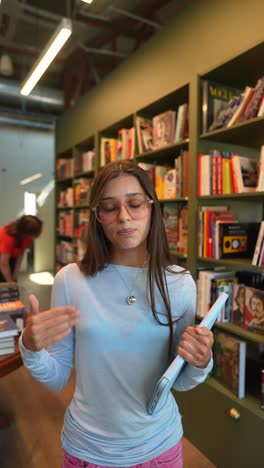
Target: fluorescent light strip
(87,1)
(55,44)
(30,179)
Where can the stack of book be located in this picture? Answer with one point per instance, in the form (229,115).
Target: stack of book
(12,316)
(8,332)
(9,292)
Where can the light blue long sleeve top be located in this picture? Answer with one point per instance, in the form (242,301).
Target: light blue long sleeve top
(120,353)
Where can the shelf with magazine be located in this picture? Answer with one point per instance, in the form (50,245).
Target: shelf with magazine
(117,142)
(163,124)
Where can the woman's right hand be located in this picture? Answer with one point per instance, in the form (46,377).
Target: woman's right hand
(45,328)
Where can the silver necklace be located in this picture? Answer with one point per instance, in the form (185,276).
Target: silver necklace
(131,298)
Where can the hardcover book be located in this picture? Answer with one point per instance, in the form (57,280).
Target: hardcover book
(256,260)
(230,362)
(246,96)
(260,183)
(171,221)
(238,304)
(254,310)
(7,326)
(164,129)
(215,96)
(237,240)
(244,173)
(144,134)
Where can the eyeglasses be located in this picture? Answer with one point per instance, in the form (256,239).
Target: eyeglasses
(137,206)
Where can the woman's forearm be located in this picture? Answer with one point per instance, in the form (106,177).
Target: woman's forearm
(5,270)
(17,266)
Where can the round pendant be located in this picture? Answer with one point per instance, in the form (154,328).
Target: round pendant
(131,300)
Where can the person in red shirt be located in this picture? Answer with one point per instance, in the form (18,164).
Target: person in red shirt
(15,238)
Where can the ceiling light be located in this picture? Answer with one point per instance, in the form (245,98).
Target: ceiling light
(56,42)
(31,178)
(87,1)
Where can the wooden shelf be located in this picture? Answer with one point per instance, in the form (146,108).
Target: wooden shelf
(235,263)
(165,153)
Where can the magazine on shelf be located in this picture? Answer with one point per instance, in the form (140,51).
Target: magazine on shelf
(215,97)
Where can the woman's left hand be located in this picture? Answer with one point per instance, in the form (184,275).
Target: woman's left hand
(196,345)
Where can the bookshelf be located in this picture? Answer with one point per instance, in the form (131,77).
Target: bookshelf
(218,408)
(211,404)
(75,169)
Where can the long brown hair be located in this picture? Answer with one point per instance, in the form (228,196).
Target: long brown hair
(27,225)
(98,251)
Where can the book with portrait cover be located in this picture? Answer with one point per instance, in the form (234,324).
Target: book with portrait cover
(230,362)
(254,310)
(163,128)
(238,304)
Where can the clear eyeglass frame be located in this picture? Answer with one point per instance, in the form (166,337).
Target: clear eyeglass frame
(113,216)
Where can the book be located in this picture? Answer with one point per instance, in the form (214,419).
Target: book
(215,96)
(171,221)
(260,182)
(8,291)
(226,113)
(261,257)
(254,103)
(7,342)
(168,378)
(230,362)
(160,172)
(205,278)
(258,246)
(238,304)
(254,310)
(144,134)
(261,108)
(237,239)
(8,350)
(7,326)
(246,96)
(163,127)
(11,306)
(182,130)
(108,150)
(219,285)
(170,178)
(244,173)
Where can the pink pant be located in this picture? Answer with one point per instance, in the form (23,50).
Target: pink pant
(172,458)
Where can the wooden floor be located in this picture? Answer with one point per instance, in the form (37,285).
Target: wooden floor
(33,438)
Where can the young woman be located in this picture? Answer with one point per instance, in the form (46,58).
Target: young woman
(123,313)
(15,238)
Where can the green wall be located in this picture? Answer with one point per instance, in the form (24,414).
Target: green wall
(203,35)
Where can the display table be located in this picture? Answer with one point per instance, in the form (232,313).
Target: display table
(9,363)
